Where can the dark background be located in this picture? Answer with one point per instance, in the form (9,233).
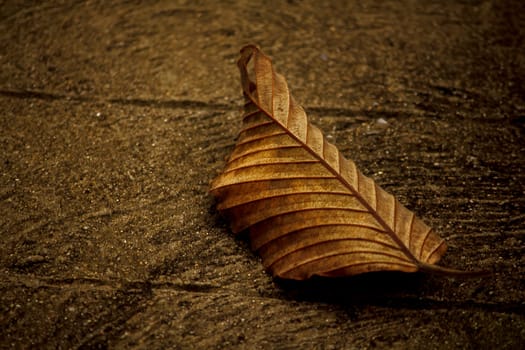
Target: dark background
(115,116)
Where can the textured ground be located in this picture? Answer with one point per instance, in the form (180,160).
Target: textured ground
(115,117)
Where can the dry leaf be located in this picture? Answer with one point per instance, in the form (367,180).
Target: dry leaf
(309,211)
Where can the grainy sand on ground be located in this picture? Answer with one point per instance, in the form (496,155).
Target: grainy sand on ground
(115,117)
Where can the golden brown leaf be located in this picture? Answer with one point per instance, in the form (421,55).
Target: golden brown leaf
(309,211)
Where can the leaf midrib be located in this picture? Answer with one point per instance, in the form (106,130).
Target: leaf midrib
(336,173)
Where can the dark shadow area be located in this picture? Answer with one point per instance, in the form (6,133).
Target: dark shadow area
(396,290)
(360,289)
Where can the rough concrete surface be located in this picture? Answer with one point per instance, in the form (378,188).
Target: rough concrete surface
(116,115)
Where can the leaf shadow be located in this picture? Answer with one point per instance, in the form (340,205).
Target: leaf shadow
(393,290)
(371,288)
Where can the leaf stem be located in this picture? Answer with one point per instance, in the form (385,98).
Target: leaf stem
(449,272)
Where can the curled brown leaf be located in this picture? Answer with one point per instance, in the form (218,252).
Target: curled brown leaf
(309,210)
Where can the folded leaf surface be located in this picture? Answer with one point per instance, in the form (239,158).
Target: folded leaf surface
(309,210)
